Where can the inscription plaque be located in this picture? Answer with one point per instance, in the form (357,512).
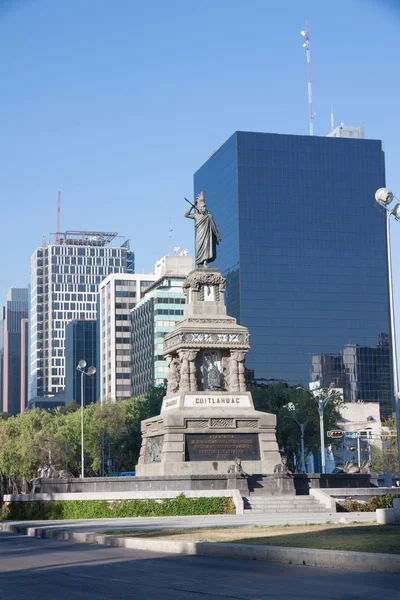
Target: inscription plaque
(221,446)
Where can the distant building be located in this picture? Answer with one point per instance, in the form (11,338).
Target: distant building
(362,427)
(361,371)
(343,131)
(177,264)
(47,402)
(24,364)
(117,296)
(65,279)
(80,344)
(16,313)
(154,316)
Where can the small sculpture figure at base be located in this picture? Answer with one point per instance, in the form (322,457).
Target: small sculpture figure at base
(282,467)
(237,468)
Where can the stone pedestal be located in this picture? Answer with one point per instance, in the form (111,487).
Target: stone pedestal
(207,418)
(203,434)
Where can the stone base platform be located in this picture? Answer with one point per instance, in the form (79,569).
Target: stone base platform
(269,485)
(179,483)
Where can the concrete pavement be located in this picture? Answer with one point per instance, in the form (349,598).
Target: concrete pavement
(37,569)
(143,523)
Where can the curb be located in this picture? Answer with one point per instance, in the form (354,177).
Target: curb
(332,559)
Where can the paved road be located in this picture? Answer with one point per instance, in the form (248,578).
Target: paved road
(35,569)
(95,525)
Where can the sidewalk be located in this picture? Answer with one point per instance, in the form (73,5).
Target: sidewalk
(84,532)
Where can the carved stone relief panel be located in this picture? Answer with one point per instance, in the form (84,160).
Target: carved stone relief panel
(247,423)
(154,449)
(222,423)
(202,424)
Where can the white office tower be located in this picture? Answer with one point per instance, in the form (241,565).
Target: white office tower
(344,131)
(65,279)
(177,264)
(118,295)
(154,316)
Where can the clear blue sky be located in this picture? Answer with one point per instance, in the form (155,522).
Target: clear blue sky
(117,102)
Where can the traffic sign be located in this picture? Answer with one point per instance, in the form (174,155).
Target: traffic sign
(335,433)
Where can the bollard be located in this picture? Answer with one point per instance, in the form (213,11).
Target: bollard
(385,516)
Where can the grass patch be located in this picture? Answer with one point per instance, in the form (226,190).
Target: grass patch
(352,537)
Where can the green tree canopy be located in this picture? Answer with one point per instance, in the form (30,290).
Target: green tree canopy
(289,403)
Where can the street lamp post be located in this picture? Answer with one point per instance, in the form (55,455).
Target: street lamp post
(321,403)
(302,428)
(384,197)
(91,371)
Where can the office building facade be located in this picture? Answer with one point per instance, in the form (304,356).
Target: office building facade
(16,314)
(304,253)
(24,363)
(65,279)
(80,344)
(117,296)
(154,316)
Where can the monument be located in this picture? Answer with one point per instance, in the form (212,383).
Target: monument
(207,418)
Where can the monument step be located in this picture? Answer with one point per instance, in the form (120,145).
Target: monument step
(272,502)
(306,514)
(276,509)
(283,504)
(282,499)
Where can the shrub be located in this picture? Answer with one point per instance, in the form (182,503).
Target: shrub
(99,509)
(371,505)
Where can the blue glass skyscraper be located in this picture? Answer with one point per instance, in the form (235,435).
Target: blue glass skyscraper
(16,312)
(80,344)
(304,253)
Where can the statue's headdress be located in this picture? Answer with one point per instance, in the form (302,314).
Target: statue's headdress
(200,201)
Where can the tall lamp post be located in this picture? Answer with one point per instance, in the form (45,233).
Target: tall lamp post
(91,371)
(321,402)
(302,428)
(384,197)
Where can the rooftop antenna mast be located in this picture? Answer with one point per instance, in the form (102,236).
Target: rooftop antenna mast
(306,45)
(169,235)
(58,219)
(332,118)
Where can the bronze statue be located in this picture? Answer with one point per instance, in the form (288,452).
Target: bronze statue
(207,236)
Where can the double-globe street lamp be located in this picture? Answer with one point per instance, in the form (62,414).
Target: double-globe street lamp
(302,428)
(91,371)
(321,401)
(384,197)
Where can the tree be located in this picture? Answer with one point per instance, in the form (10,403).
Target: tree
(20,435)
(107,425)
(137,410)
(385,459)
(285,401)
